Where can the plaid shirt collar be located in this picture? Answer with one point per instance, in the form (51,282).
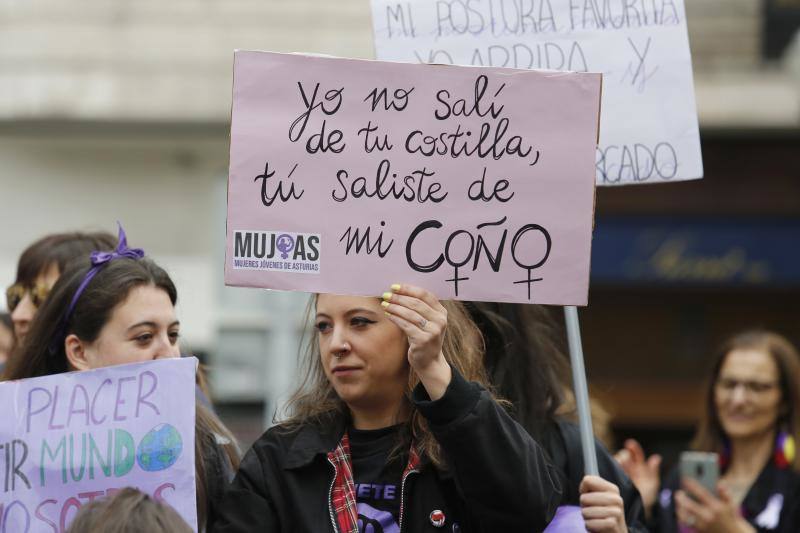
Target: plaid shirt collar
(342,504)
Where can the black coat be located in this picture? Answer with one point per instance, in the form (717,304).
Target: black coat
(498,477)
(562,441)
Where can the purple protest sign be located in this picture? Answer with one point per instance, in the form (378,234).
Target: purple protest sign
(70,438)
(347,176)
(568,519)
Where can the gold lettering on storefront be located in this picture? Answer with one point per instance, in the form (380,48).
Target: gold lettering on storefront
(671,261)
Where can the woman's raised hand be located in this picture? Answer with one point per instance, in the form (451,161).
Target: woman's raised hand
(424,320)
(642,470)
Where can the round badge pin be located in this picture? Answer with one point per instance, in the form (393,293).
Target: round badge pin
(437,518)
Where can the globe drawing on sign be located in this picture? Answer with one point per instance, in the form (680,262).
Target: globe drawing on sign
(285,245)
(159,449)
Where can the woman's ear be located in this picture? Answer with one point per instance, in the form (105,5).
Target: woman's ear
(75,350)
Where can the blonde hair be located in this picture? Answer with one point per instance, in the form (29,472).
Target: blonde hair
(315,400)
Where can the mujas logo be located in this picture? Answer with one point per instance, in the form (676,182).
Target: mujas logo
(280,251)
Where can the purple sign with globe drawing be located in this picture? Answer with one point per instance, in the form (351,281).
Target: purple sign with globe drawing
(79,436)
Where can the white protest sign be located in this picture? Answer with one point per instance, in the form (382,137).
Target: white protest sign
(68,439)
(648,130)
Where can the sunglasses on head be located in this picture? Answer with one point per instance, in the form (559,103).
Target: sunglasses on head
(16,292)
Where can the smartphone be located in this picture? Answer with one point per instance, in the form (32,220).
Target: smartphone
(702,467)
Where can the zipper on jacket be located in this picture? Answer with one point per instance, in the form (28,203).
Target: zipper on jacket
(403,495)
(330,496)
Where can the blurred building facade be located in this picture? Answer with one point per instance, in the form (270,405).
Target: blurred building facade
(678,268)
(113,110)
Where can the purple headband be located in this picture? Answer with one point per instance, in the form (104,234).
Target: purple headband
(99,260)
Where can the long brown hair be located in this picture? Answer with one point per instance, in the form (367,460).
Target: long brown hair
(60,249)
(316,401)
(526,360)
(710,435)
(43,351)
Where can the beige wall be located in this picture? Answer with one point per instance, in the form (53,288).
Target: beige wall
(167,185)
(157,60)
(161,188)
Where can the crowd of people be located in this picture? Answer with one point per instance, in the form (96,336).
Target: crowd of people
(411,414)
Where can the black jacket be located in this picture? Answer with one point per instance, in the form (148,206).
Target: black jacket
(772,505)
(498,477)
(562,441)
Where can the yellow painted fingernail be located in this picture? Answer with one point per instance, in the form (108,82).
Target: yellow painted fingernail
(385,304)
(395,287)
(387,314)
(387,296)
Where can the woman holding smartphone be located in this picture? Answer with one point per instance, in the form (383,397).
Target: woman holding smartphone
(751,422)
(526,364)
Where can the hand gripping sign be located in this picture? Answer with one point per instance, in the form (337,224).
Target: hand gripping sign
(69,438)
(348,175)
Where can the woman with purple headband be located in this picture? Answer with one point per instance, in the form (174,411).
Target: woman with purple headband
(119,308)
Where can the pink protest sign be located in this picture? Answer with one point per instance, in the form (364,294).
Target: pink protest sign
(347,176)
(70,438)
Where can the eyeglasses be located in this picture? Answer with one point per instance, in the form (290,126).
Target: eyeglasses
(753,387)
(16,293)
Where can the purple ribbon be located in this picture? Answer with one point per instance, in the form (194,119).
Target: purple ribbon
(99,260)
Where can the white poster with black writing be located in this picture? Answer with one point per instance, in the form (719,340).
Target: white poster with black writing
(648,128)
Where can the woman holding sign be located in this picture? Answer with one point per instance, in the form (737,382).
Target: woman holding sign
(120,308)
(393,428)
(528,367)
(751,424)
